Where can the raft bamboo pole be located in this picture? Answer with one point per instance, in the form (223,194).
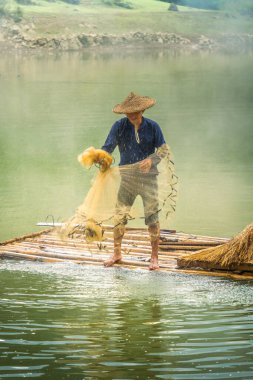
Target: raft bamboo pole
(135,230)
(17,255)
(32,235)
(88,246)
(188,242)
(93,248)
(173,240)
(30,257)
(55,256)
(126,249)
(82,246)
(106,226)
(132,265)
(135,235)
(163,245)
(95,251)
(147,247)
(140,257)
(166,233)
(182,246)
(178,237)
(108,244)
(167,259)
(91,253)
(61,257)
(85,248)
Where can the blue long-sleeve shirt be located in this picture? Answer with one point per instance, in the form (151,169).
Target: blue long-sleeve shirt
(122,134)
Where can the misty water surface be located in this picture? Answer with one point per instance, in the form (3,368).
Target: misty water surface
(67,321)
(53,107)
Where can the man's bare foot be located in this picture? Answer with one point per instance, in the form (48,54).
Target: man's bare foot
(154,264)
(113,259)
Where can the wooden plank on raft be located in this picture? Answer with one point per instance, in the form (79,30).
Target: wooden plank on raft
(47,246)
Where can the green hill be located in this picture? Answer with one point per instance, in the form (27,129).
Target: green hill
(54,17)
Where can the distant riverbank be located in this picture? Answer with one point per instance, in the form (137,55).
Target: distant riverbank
(21,36)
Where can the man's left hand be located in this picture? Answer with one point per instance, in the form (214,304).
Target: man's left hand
(145,165)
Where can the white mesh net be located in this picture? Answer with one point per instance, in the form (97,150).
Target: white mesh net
(127,192)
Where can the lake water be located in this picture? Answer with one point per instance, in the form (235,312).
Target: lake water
(53,107)
(67,321)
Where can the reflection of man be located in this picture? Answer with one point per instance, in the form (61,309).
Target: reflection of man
(137,138)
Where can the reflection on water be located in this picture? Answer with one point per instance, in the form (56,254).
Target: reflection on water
(67,321)
(53,107)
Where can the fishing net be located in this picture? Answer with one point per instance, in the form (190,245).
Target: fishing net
(119,194)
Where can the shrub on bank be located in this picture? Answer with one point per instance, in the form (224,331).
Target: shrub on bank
(118,3)
(240,6)
(201,4)
(15,14)
(24,2)
(74,2)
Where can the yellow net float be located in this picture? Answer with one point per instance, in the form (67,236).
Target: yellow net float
(93,231)
(95,156)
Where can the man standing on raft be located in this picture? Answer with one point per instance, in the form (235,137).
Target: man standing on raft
(137,138)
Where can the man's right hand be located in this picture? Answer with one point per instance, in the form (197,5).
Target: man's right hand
(145,165)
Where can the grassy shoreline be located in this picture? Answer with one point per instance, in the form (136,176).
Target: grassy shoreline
(62,26)
(149,16)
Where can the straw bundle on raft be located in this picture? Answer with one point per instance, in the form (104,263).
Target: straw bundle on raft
(237,254)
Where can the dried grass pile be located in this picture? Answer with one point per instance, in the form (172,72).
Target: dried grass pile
(232,255)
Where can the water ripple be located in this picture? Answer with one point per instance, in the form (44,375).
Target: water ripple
(94,323)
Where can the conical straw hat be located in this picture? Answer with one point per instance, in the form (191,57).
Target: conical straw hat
(134,103)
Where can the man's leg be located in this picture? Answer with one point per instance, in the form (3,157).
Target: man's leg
(118,234)
(154,232)
(120,221)
(151,210)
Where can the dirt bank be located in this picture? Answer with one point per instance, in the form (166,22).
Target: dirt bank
(23,36)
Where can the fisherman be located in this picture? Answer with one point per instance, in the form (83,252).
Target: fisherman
(137,138)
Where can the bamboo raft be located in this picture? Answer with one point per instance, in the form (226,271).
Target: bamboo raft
(46,246)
